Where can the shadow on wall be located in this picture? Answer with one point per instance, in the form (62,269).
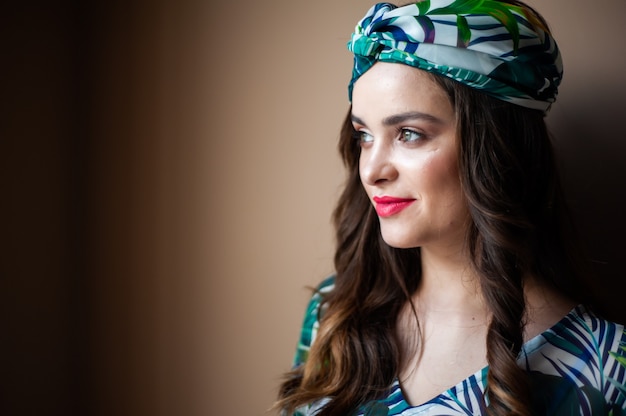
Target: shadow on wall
(591,145)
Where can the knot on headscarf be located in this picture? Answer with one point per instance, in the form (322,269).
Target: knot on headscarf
(366,46)
(501,49)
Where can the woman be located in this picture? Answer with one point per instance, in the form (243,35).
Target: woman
(455,290)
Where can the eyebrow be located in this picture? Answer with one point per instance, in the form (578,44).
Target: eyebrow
(396,119)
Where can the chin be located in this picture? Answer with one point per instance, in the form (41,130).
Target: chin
(399,242)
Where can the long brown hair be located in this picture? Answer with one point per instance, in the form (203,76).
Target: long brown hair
(518,228)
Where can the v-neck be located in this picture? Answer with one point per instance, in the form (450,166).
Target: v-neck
(479,378)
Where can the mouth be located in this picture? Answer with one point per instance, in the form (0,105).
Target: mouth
(386,206)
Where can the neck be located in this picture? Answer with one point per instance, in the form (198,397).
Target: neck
(448,283)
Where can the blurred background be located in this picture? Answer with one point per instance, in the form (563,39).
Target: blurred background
(168,174)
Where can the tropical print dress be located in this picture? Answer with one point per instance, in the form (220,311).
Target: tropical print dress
(577,367)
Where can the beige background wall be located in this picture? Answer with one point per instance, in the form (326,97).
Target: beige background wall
(168,178)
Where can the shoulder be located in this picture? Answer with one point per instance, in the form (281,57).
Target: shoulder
(585,352)
(320,291)
(311,320)
(586,337)
(590,333)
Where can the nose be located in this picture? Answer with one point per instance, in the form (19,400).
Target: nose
(376,164)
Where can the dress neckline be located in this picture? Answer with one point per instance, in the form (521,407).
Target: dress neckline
(479,377)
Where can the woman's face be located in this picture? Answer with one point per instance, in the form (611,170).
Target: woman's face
(408,163)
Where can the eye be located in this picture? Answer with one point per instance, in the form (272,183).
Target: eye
(410,136)
(364,137)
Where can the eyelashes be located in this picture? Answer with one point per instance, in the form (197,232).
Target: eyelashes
(363,137)
(410,136)
(403,134)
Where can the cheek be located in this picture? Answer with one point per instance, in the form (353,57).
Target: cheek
(437,170)
(361,172)
(440,183)
(360,166)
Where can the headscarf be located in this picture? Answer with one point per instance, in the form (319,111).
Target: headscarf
(498,48)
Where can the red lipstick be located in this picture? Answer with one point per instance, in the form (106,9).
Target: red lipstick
(387,206)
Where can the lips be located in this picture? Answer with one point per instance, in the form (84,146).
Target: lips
(387,206)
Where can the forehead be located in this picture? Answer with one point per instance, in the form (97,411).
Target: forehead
(392,88)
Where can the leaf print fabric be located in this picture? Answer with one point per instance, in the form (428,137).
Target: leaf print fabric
(498,48)
(577,367)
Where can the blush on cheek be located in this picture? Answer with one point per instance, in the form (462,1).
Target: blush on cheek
(440,179)
(439,167)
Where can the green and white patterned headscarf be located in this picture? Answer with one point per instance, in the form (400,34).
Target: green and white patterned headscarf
(498,48)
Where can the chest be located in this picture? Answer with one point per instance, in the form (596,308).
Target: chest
(440,359)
